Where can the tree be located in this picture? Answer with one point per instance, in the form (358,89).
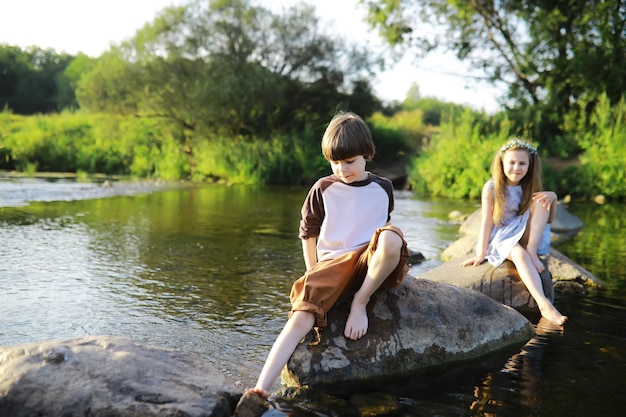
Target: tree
(29,79)
(67,82)
(230,68)
(551,54)
(13,63)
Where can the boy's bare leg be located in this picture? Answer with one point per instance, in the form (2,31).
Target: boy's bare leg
(299,325)
(383,262)
(530,277)
(536,226)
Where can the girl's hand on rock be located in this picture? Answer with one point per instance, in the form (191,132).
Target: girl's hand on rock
(476,260)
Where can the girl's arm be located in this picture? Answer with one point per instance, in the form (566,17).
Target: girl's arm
(547,199)
(309,251)
(553,209)
(486,225)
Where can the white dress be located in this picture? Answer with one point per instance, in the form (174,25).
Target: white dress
(508,234)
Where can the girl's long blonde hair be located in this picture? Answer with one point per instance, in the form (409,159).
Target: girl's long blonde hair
(531,183)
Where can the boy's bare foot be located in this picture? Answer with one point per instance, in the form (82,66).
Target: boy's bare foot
(259,391)
(356,325)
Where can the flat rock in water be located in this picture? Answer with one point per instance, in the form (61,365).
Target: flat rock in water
(501,283)
(566,270)
(109,376)
(419,325)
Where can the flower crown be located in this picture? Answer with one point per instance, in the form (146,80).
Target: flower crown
(518,144)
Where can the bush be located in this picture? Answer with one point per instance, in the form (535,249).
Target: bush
(280,160)
(402,133)
(456,162)
(602,136)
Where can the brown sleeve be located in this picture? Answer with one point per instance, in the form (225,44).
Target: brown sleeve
(312,212)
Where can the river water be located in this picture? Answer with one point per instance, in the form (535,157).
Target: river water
(208,269)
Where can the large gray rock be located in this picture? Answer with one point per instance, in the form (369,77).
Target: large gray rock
(565,222)
(569,276)
(416,326)
(501,283)
(471,225)
(460,248)
(109,376)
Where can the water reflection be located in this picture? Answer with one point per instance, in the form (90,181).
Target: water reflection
(208,269)
(519,381)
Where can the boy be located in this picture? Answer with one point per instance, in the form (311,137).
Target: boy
(348,243)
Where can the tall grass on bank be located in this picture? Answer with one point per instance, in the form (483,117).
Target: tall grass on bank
(452,161)
(398,134)
(283,159)
(455,163)
(602,136)
(68,142)
(152,148)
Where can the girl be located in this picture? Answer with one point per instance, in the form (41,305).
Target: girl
(515,215)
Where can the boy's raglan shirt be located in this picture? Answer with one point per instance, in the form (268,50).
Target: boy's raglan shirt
(343,217)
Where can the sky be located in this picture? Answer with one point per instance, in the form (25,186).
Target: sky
(73,26)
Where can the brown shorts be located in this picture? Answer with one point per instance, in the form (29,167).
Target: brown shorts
(321,286)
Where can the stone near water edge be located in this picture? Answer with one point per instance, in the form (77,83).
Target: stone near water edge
(566,275)
(251,405)
(109,376)
(501,283)
(416,326)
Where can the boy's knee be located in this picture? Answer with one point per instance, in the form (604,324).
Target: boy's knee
(299,325)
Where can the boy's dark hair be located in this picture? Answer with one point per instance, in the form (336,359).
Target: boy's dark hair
(347,136)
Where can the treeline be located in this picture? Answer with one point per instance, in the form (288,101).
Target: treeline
(36,80)
(223,66)
(225,90)
(223,85)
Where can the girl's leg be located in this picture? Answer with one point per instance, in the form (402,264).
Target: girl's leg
(530,277)
(384,260)
(298,326)
(534,230)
